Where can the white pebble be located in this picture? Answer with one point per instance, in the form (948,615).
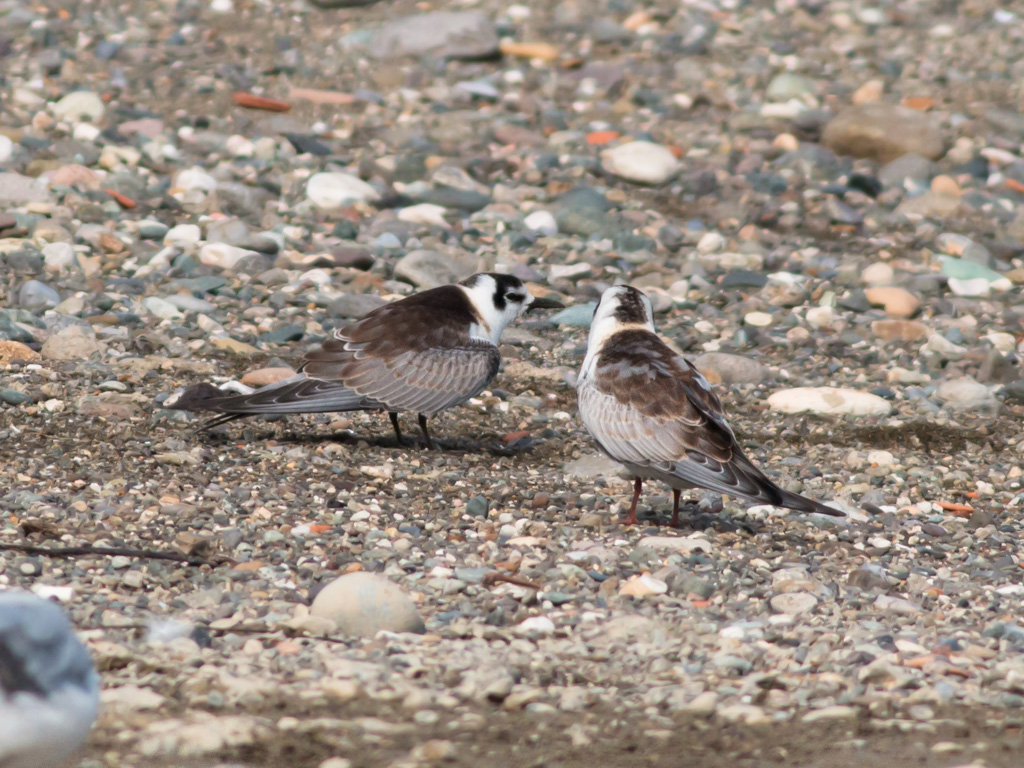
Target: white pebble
(758,319)
(424,213)
(86,132)
(710,242)
(831,400)
(335,190)
(540,625)
(642,162)
(542,222)
(820,317)
(195,178)
(183,235)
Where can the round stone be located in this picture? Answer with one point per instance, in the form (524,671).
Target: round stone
(794,603)
(758,319)
(541,222)
(195,179)
(897,302)
(820,317)
(80,106)
(830,400)
(878,273)
(642,162)
(363,604)
(222,255)
(965,393)
(336,190)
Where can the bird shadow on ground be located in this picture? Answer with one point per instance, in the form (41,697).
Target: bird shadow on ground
(489,444)
(692,520)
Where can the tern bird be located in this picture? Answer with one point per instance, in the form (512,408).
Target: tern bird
(651,410)
(49,690)
(424,353)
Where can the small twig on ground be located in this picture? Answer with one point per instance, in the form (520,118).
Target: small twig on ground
(493,577)
(149,554)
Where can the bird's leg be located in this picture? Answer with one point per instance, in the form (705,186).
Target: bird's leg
(394,423)
(426,433)
(638,486)
(675,507)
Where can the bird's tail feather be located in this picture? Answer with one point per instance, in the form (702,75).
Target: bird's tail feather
(803,504)
(298,394)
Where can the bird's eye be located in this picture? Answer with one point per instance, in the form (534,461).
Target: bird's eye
(514,297)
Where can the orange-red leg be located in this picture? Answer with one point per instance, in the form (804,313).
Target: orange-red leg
(638,486)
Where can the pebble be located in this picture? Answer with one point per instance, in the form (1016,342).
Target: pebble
(794,603)
(641,162)
(758,319)
(878,273)
(222,255)
(830,400)
(679,544)
(788,86)
(578,315)
(883,132)
(195,179)
(16,190)
(897,302)
(58,257)
(424,213)
(262,377)
(337,190)
(899,330)
(158,307)
(536,625)
(821,317)
(362,604)
(710,242)
(834,712)
(80,106)
(730,369)
(15,350)
(442,34)
(34,295)
(643,585)
(898,605)
(182,235)
(541,222)
(965,393)
(428,269)
(75,342)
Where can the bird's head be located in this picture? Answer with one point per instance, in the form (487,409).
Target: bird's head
(620,307)
(499,299)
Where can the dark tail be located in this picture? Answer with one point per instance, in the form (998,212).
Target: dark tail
(803,504)
(298,394)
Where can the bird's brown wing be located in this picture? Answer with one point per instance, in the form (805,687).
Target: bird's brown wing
(409,356)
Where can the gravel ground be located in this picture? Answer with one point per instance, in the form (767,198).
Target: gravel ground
(821,195)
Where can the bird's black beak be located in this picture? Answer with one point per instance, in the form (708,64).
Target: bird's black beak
(544,302)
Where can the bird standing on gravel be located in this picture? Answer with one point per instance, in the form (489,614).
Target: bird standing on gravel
(424,353)
(49,690)
(651,410)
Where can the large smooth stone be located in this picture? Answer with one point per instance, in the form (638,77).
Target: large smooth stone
(363,604)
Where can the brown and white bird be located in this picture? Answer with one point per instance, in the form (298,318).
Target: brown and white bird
(424,353)
(651,410)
